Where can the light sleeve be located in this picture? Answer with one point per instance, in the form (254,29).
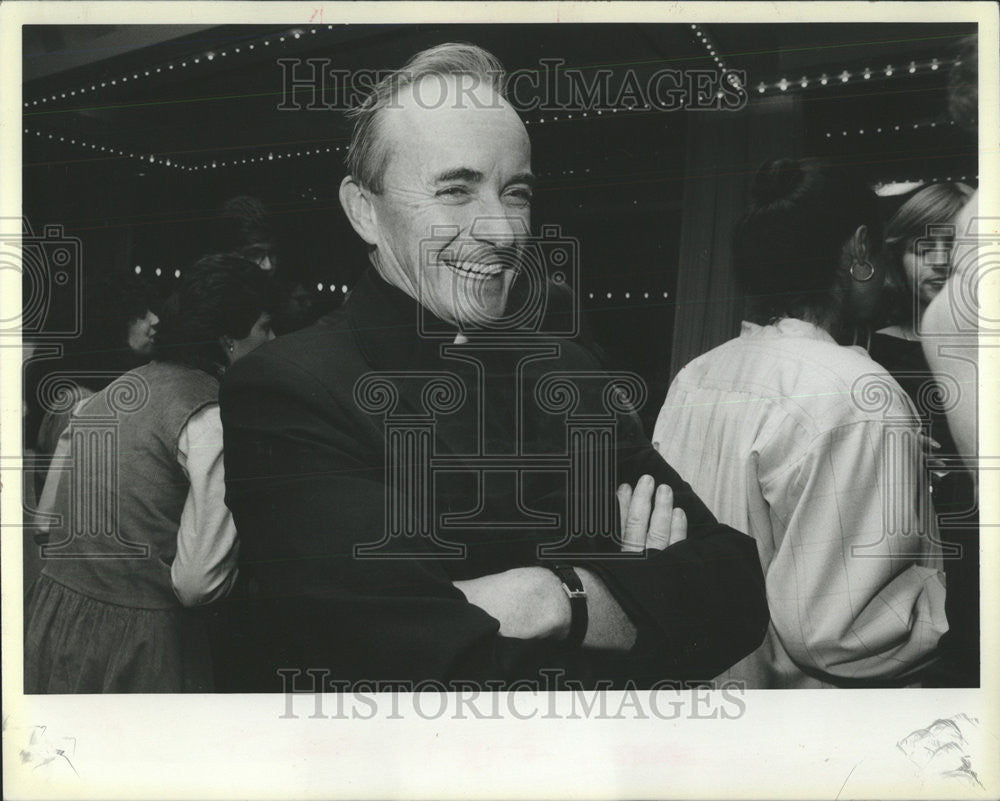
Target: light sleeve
(204,568)
(855,590)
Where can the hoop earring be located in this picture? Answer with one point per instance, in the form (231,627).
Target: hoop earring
(867,276)
(232,347)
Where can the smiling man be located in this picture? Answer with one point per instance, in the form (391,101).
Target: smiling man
(461,589)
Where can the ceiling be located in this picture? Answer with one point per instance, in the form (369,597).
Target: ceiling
(221,108)
(123,124)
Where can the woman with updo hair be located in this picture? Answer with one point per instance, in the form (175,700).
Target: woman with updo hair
(791,433)
(142,529)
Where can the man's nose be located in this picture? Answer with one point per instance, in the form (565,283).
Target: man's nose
(153,320)
(500,230)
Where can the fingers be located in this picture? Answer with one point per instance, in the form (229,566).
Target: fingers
(678,526)
(624,494)
(661,519)
(649,520)
(637,518)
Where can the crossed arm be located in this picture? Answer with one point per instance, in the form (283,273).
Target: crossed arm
(530,603)
(304,492)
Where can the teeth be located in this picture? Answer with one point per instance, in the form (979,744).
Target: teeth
(478,269)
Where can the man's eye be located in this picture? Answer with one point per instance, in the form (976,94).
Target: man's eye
(453,192)
(520,197)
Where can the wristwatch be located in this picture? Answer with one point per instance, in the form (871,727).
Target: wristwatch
(577,595)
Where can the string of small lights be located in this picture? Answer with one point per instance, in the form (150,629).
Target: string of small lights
(168,161)
(626,295)
(187,63)
(713,51)
(858,76)
(107,150)
(166,272)
(890,129)
(343,289)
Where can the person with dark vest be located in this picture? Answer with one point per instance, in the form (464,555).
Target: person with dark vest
(485,544)
(139,529)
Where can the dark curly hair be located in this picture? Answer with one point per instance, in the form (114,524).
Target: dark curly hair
(787,245)
(221,295)
(242,226)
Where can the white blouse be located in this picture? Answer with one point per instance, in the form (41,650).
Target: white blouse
(809,447)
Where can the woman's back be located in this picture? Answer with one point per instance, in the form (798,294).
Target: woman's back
(124,493)
(793,438)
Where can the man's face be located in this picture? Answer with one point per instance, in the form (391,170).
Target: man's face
(456,205)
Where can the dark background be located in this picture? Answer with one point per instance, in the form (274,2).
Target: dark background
(627,185)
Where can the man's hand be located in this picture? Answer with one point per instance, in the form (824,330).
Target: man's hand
(649,521)
(530,603)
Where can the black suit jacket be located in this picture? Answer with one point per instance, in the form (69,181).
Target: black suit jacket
(306,477)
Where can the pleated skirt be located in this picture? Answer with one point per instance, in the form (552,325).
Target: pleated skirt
(77,644)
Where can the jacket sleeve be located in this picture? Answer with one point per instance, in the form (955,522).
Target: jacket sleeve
(699,605)
(305,488)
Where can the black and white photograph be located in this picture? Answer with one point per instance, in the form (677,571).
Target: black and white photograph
(472,400)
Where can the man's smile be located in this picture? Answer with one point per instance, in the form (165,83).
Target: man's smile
(473,269)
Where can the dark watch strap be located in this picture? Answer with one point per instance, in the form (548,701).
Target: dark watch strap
(573,588)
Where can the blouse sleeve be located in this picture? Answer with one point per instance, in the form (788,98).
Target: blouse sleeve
(855,589)
(204,568)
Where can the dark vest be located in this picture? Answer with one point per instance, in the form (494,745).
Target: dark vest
(122,497)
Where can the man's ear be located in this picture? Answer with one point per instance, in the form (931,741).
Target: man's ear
(359,210)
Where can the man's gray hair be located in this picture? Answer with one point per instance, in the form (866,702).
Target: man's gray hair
(368,155)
